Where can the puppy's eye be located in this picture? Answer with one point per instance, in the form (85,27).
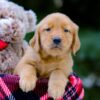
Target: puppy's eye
(66,30)
(48,29)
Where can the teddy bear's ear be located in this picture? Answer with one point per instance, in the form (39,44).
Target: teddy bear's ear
(31,20)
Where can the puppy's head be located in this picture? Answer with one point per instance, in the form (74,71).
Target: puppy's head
(56,34)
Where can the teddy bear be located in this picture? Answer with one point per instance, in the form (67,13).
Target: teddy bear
(15,22)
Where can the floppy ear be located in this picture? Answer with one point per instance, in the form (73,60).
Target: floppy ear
(34,42)
(76,42)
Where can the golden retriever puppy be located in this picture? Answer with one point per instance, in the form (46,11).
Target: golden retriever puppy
(50,55)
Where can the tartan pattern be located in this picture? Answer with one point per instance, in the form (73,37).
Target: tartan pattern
(9,89)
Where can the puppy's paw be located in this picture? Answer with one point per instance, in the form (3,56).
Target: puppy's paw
(27,83)
(56,91)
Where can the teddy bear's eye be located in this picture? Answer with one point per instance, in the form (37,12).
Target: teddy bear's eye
(48,29)
(2,16)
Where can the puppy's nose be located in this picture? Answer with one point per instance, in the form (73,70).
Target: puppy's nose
(57,41)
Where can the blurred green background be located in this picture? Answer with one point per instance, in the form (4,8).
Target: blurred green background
(85,13)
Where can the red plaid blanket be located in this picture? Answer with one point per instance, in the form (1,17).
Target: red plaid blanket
(9,89)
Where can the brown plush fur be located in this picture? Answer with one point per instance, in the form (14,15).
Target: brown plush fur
(43,59)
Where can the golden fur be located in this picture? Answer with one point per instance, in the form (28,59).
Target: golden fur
(43,59)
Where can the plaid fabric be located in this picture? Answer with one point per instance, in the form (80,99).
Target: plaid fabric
(9,89)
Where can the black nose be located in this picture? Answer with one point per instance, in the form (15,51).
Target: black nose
(57,41)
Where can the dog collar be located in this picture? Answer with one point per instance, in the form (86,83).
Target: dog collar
(3,45)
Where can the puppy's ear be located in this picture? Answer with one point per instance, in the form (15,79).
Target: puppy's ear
(76,42)
(34,42)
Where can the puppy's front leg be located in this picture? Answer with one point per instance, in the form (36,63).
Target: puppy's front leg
(57,84)
(28,78)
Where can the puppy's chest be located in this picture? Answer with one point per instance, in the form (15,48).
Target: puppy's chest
(45,67)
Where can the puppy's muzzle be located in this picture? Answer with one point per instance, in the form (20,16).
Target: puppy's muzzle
(56,40)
